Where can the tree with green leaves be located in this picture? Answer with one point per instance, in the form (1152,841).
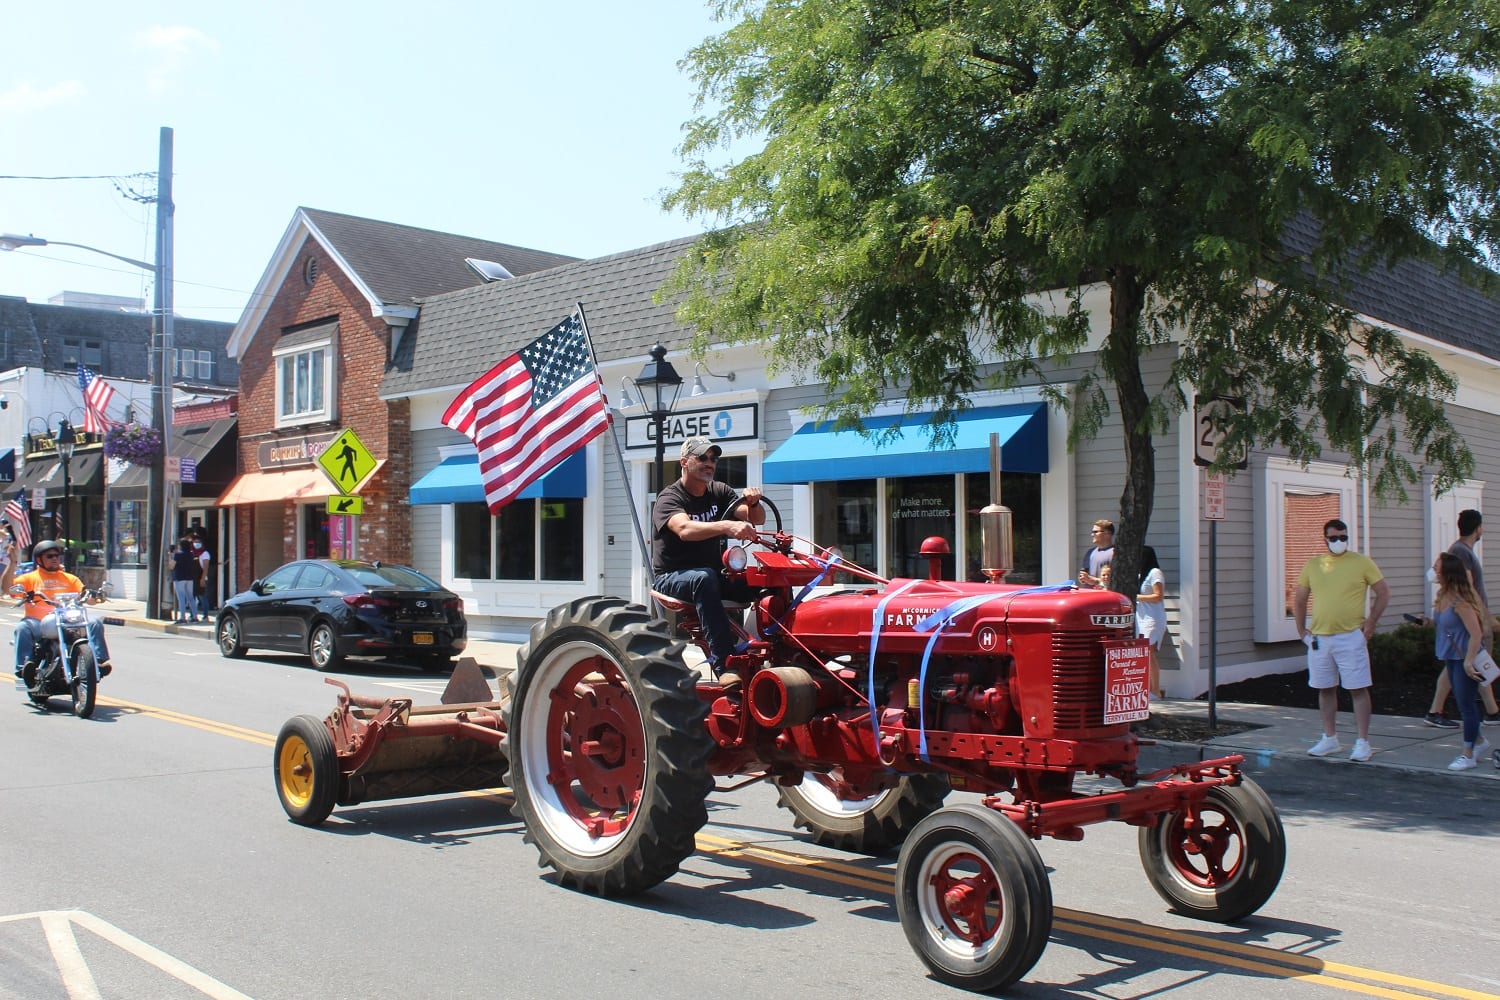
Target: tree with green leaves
(942,182)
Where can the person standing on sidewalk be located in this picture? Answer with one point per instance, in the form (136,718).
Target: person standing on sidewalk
(1457,615)
(184,573)
(1151,613)
(1339,583)
(1099,555)
(1470,531)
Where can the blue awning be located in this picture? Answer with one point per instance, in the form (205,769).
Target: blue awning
(817,453)
(456,480)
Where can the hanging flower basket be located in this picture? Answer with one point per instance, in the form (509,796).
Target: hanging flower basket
(133,443)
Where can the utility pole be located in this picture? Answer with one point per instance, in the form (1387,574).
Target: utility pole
(160,517)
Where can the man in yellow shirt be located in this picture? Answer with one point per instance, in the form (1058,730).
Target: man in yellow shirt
(1337,650)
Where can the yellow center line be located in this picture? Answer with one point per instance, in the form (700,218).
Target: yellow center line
(1189,944)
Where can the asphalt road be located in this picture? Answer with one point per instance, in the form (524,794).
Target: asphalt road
(145,855)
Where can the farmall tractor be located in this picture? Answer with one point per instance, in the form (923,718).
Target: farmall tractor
(866,705)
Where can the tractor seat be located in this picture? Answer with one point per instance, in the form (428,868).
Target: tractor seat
(677,607)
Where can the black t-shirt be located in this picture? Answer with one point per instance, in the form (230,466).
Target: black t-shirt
(668,551)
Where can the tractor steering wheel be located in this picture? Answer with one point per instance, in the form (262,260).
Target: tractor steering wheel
(776,514)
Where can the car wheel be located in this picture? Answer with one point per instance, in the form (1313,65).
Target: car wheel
(231,638)
(323,647)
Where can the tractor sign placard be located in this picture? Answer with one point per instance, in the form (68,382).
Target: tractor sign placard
(1126,697)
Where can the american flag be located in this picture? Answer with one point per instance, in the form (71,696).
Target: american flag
(532,410)
(96,397)
(20,523)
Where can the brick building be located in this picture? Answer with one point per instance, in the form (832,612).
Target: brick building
(313,347)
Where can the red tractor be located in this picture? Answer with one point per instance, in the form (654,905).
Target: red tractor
(866,704)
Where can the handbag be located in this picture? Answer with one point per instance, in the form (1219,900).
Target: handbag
(1489,670)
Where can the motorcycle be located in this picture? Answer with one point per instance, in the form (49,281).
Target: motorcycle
(62,661)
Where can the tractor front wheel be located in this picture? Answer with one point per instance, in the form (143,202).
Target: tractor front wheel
(838,816)
(973,897)
(608,747)
(1220,862)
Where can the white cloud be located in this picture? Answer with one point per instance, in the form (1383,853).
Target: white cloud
(173,46)
(23,98)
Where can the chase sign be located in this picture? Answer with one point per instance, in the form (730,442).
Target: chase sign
(722,423)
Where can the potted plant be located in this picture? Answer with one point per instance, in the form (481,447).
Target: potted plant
(138,444)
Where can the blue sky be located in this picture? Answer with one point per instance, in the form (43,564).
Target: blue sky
(549,126)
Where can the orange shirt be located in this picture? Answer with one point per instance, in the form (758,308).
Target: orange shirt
(48,582)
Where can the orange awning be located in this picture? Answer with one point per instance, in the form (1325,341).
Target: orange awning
(279,487)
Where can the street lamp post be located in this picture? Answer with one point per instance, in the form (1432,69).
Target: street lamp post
(659,378)
(66,440)
(161,352)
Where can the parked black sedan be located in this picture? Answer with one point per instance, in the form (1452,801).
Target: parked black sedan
(333,608)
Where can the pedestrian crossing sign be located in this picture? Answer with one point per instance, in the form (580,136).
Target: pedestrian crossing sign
(348,506)
(346,462)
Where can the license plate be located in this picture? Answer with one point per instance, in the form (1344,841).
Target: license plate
(422,638)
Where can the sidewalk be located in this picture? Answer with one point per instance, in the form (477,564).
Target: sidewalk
(1282,736)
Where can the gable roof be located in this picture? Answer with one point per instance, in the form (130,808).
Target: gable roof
(459,335)
(392,265)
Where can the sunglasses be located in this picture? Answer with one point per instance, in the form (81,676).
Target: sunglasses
(1338,538)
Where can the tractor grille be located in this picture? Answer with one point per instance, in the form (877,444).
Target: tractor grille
(1078,677)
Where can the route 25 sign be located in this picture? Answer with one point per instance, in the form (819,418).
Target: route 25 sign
(1208,422)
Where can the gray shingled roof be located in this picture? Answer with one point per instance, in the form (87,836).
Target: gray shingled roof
(34,333)
(399,263)
(458,336)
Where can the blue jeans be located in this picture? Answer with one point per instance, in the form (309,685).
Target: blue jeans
(32,629)
(707,590)
(1466,694)
(187,607)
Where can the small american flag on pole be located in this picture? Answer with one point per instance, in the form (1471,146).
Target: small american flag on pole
(96,397)
(532,410)
(20,521)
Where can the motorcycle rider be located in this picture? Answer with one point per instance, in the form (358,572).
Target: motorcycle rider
(50,579)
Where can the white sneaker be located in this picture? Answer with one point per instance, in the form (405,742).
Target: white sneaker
(1361,750)
(1483,746)
(1325,746)
(1462,763)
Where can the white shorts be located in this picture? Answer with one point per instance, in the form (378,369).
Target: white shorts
(1339,659)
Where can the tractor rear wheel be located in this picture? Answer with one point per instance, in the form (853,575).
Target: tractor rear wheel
(973,897)
(608,748)
(1223,866)
(834,814)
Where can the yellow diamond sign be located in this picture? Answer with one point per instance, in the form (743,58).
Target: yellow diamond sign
(346,462)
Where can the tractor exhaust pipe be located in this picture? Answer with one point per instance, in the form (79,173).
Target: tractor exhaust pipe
(995,533)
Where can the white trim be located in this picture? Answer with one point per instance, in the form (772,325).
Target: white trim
(1273,477)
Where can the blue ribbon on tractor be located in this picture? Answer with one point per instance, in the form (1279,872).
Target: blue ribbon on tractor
(874,643)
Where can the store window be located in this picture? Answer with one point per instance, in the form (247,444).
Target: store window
(127,533)
(528,541)
(193,365)
(881,523)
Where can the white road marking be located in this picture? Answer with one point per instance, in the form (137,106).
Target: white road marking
(76,977)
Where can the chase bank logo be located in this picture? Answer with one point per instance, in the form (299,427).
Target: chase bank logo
(723,422)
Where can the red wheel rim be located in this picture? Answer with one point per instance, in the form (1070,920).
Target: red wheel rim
(1206,848)
(966,897)
(596,747)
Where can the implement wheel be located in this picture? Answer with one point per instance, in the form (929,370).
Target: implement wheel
(973,897)
(1221,864)
(608,748)
(834,814)
(307,770)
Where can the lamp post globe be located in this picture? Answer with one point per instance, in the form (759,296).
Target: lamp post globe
(660,385)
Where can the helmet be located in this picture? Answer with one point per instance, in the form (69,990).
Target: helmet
(47,546)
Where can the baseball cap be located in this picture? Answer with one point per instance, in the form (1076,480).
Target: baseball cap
(700,446)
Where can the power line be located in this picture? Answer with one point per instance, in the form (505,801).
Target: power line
(77,177)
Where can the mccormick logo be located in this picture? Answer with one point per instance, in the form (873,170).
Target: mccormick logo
(1113,621)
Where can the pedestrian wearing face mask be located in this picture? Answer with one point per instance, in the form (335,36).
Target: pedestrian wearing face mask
(1339,583)
(1470,531)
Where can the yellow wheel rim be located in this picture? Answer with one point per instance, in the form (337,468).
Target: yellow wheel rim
(296,771)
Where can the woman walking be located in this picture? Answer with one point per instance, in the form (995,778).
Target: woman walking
(1456,616)
(184,574)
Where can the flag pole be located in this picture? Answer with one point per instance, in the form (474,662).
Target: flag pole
(614,434)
